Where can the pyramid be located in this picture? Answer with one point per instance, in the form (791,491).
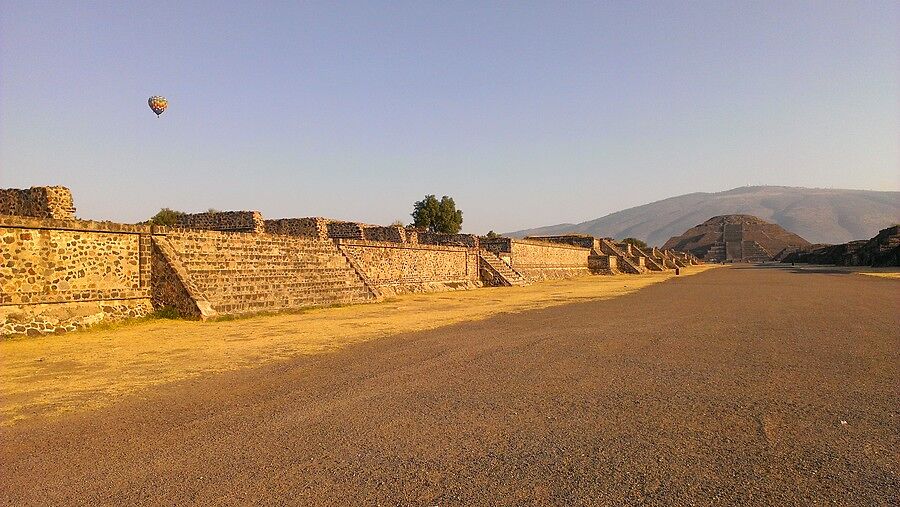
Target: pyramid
(735,238)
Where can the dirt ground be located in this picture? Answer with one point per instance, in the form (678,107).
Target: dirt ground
(739,386)
(63,373)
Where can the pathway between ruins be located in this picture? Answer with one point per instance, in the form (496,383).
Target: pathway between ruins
(738,386)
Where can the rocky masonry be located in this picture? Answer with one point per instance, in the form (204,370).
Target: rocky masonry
(541,260)
(397,268)
(244,273)
(232,221)
(60,274)
(37,202)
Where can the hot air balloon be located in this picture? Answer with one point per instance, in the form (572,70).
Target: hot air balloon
(158,104)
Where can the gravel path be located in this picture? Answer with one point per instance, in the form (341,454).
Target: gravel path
(738,386)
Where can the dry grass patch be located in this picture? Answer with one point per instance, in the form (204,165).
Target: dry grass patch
(883,274)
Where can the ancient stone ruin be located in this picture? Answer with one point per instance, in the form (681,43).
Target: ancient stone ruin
(735,238)
(38,202)
(58,273)
(881,251)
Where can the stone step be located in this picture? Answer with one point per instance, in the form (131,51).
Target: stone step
(257,254)
(281,288)
(508,274)
(277,280)
(252,302)
(294,241)
(253,264)
(609,248)
(250,271)
(211,281)
(297,292)
(244,239)
(262,301)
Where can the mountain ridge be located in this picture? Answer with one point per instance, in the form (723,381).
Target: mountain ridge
(821,215)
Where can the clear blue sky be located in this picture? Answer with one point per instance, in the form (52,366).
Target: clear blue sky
(527,113)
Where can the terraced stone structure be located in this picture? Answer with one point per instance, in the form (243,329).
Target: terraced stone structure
(538,260)
(606,257)
(735,238)
(61,274)
(246,273)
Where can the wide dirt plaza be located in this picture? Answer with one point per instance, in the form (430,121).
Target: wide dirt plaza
(749,385)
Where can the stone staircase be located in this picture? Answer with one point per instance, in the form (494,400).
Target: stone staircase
(650,262)
(247,273)
(496,272)
(677,260)
(754,252)
(625,264)
(661,258)
(716,253)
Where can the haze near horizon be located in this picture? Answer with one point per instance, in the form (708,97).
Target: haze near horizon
(527,115)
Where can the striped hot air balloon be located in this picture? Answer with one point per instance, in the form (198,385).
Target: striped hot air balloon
(158,104)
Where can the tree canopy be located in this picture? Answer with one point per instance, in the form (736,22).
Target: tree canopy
(437,216)
(636,242)
(167,217)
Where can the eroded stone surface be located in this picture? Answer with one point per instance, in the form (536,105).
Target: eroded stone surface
(37,202)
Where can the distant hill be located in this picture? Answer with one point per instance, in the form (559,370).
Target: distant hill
(817,214)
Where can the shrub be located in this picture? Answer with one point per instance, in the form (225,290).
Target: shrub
(167,217)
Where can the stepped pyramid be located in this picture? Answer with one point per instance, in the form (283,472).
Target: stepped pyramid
(735,238)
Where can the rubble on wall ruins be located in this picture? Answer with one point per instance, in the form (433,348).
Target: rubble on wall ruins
(38,202)
(62,274)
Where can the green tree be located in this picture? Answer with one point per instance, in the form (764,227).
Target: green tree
(636,242)
(492,235)
(167,217)
(437,216)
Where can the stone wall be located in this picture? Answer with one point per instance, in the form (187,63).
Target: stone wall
(541,260)
(231,221)
(603,264)
(438,238)
(401,268)
(38,202)
(61,275)
(310,227)
(345,230)
(392,233)
(325,228)
(582,240)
